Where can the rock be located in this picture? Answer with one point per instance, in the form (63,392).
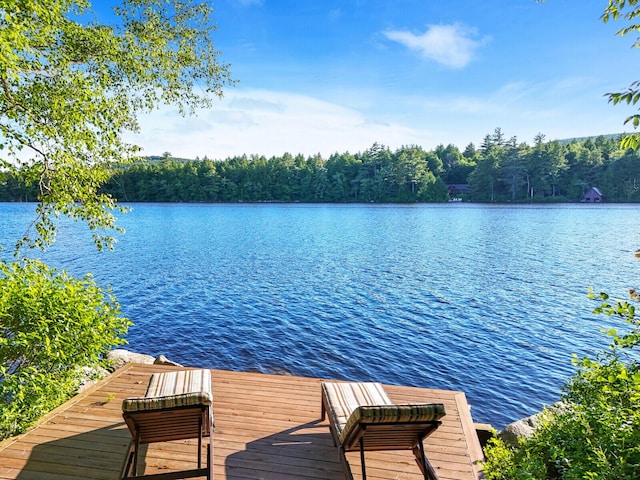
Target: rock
(522,428)
(162,360)
(89,376)
(120,357)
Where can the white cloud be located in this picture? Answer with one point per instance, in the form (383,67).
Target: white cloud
(451,45)
(270,123)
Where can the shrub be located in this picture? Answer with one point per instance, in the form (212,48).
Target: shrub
(50,325)
(596,432)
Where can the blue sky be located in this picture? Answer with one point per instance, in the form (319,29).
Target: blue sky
(331,76)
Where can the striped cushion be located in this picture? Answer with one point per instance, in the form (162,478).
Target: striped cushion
(182,388)
(427,412)
(344,397)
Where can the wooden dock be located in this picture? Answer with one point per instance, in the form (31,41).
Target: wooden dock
(267,427)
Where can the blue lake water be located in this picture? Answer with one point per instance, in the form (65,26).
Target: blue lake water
(490,300)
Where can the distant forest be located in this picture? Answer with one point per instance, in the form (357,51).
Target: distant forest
(500,170)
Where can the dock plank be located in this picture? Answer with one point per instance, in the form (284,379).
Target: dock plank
(266,427)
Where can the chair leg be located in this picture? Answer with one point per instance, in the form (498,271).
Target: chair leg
(426,468)
(200,442)
(128,461)
(135,454)
(345,465)
(364,470)
(210,447)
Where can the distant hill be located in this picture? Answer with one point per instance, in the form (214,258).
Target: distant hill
(159,159)
(593,137)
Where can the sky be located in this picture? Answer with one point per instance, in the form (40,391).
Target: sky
(337,76)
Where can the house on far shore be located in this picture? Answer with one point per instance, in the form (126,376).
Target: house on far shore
(457,189)
(592,195)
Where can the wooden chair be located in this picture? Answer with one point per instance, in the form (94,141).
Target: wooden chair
(363,418)
(177,405)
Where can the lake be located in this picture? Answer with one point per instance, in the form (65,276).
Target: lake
(490,300)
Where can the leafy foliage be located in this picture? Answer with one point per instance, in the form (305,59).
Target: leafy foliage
(512,172)
(377,175)
(70,87)
(50,325)
(595,433)
(627,11)
(508,172)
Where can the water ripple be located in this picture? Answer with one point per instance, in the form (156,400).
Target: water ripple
(490,300)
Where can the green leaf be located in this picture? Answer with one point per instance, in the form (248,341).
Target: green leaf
(74,88)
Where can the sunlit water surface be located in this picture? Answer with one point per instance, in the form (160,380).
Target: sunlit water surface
(490,300)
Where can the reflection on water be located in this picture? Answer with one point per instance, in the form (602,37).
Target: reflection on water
(490,300)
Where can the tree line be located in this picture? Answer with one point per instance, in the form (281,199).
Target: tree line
(499,170)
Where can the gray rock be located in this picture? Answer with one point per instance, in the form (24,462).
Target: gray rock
(162,360)
(522,428)
(120,357)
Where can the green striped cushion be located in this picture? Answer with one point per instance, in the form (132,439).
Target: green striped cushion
(344,397)
(182,388)
(368,414)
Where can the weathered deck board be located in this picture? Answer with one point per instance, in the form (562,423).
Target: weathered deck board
(267,427)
